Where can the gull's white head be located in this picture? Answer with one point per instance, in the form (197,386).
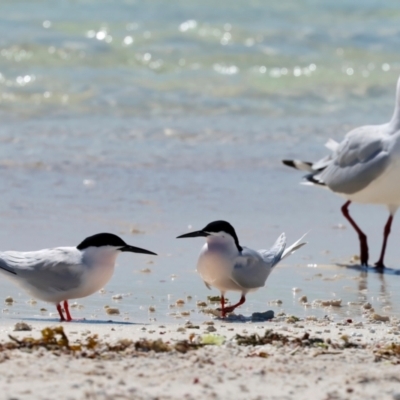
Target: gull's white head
(217,232)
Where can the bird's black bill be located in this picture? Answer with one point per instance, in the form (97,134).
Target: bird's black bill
(133,249)
(193,234)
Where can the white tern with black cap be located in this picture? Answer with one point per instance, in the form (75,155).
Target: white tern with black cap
(226,265)
(63,273)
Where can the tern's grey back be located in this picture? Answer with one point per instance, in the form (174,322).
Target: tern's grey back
(45,272)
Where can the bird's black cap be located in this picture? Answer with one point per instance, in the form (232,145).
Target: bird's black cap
(216,226)
(109,239)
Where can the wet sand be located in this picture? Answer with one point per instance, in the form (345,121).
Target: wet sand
(309,358)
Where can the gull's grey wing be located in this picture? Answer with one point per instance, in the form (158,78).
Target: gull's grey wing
(359,159)
(250,271)
(52,270)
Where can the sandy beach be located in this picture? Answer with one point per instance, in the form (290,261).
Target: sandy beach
(295,359)
(149,119)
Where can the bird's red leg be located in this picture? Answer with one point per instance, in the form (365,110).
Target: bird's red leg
(386,232)
(223,306)
(231,308)
(361,235)
(66,309)
(60,311)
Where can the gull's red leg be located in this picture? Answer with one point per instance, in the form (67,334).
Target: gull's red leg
(223,306)
(386,232)
(239,303)
(60,311)
(361,235)
(66,309)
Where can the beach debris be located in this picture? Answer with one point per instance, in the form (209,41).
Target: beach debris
(216,340)
(389,352)
(292,319)
(210,328)
(216,299)
(327,303)
(262,316)
(152,309)
(9,300)
(180,302)
(191,326)
(378,317)
(276,302)
(43,310)
(22,326)
(185,313)
(271,337)
(303,299)
(201,304)
(117,297)
(111,310)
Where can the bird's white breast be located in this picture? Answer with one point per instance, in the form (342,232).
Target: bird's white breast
(215,267)
(99,268)
(385,189)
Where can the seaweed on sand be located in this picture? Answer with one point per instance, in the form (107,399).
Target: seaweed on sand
(56,340)
(390,351)
(275,338)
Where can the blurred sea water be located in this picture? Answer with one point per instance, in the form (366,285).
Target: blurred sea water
(145,118)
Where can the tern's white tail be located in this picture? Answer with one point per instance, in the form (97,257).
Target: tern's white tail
(295,246)
(278,251)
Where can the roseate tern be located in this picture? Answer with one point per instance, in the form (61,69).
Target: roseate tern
(226,265)
(364,168)
(63,273)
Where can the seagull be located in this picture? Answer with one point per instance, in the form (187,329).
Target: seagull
(226,265)
(363,168)
(63,273)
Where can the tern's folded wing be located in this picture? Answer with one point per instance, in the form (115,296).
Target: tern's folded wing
(48,270)
(250,271)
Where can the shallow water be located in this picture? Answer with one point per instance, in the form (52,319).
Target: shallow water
(144,118)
